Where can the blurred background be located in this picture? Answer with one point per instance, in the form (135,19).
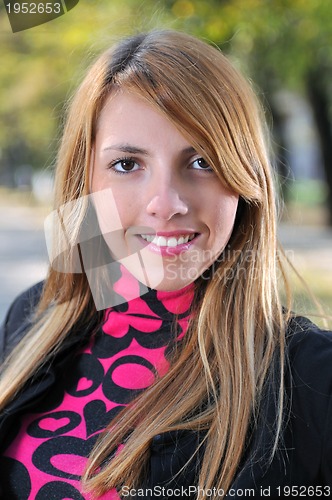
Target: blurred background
(283,46)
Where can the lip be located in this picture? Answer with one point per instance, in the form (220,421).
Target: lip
(167,251)
(169,234)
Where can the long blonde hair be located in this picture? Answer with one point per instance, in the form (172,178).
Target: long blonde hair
(216,379)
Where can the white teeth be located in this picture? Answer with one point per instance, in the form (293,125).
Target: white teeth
(161,241)
(172,242)
(148,237)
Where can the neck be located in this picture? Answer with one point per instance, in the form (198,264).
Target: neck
(134,294)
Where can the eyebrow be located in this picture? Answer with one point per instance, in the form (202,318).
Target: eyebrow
(131,149)
(127,148)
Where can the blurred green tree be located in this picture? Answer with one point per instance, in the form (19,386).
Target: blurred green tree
(40,67)
(279,44)
(284,44)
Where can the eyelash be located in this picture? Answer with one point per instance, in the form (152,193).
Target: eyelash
(128,159)
(208,169)
(123,159)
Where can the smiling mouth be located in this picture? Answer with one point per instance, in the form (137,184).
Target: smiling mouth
(162,241)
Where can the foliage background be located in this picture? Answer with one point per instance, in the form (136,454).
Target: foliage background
(279,44)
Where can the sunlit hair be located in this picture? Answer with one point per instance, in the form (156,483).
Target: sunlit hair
(235,340)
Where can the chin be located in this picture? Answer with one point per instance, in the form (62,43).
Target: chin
(171,286)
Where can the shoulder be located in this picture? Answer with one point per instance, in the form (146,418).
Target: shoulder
(308,381)
(309,354)
(309,388)
(18,317)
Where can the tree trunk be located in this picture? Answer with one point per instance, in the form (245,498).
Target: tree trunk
(320,102)
(281,150)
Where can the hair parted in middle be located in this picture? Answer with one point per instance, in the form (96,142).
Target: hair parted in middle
(216,380)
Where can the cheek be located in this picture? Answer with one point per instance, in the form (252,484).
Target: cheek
(110,199)
(97,180)
(127,206)
(222,221)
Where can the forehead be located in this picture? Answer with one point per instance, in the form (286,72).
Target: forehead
(128,116)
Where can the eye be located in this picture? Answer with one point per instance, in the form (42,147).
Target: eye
(124,165)
(201,164)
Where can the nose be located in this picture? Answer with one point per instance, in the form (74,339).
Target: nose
(165,201)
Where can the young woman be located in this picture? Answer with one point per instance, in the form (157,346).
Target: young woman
(156,359)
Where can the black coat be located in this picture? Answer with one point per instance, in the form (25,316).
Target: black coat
(302,465)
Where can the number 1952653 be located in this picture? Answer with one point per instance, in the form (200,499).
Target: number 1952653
(34,8)
(304,491)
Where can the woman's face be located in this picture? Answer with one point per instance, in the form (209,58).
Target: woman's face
(162,210)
